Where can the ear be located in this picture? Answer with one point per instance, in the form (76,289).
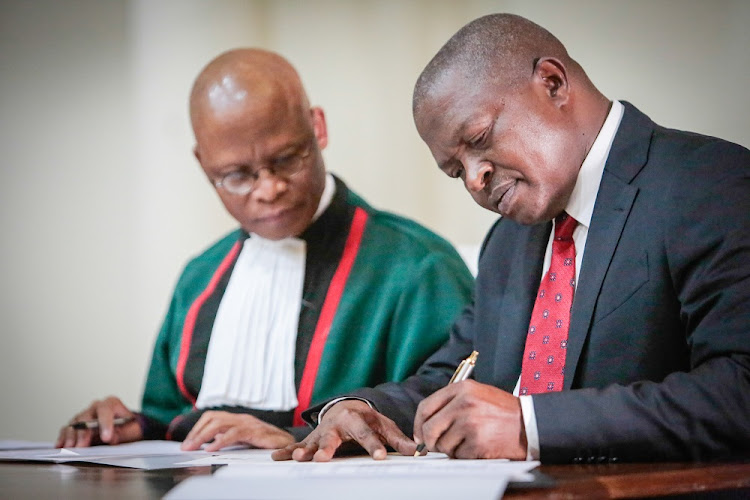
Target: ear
(319,126)
(552,76)
(197,154)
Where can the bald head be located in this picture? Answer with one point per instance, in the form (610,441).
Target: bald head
(503,107)
(239,80)
(498,49)
(253,123)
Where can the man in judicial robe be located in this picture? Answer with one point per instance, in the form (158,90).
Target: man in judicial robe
(316,293)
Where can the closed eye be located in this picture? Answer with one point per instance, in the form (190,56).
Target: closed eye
(478,141)
(284,160)
(240,175)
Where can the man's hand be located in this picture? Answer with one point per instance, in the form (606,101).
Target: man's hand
(226,429)
(349,421)
(472,420)
(103,412)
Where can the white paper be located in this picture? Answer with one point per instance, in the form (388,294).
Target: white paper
(138,448)
(318,488)
(140,455)
(253,463)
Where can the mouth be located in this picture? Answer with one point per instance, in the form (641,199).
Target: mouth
(274,216)
(501,196)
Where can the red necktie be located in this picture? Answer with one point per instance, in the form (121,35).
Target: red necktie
(543,367)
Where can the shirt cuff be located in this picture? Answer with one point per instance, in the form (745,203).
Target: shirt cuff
(319,417)
(529,423)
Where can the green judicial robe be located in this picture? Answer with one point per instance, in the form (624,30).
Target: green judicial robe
(379,296)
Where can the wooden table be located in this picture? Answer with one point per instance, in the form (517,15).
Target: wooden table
(63,481)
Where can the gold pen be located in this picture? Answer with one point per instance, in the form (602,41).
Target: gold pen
(462,373)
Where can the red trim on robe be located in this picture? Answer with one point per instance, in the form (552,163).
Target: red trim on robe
(327,313)
(192,315)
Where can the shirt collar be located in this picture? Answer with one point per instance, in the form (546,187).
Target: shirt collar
(581,203)
(325,199)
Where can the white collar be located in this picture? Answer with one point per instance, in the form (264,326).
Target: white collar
(325,199)
(581,203)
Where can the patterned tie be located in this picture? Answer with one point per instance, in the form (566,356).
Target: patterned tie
(543,367)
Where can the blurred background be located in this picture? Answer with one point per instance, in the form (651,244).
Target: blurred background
(102,202)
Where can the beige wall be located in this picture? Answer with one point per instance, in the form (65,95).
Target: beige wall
(101,201)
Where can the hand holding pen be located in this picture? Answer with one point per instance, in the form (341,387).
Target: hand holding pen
(462,373)
(471,420)
(107,421)
(468,420)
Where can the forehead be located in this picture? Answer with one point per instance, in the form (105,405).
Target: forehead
(453,110)
(263,124)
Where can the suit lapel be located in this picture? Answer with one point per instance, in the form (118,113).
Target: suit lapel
(613,203)
(526,270)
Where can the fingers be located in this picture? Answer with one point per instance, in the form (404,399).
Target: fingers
(226,429)
(190,442)
(346,422)
(439,424)
(206,428)
(305,453)
(472,420)
(254,433)
(397,439)
(60,441)
(269,437)
(223,439)
(326,448)
(448,440)
(368,428)
(349,421)
(103,413)
(70,437)
(289,452)
(371,442)
(429,407)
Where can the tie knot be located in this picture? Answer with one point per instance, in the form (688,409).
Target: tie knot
(564,226)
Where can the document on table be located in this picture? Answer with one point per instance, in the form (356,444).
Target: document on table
(320,488)
(246,463)
(138,455)
(252,474)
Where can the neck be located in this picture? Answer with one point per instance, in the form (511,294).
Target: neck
(593,115)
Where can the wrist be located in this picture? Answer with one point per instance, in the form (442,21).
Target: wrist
(324,411)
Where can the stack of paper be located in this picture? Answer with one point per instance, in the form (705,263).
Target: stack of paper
(252,474)
(139,455)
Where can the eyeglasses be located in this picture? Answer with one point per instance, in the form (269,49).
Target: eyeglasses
(243,181)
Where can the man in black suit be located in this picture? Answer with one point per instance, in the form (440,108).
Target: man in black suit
(655,341)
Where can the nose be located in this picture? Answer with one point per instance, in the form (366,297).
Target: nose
(478,175)
(268,186)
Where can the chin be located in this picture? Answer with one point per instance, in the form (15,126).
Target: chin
(527,218)
(278,231)
(274,234)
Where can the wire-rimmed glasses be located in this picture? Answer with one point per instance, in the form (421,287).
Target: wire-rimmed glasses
(243,180)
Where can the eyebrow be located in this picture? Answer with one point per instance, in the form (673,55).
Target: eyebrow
(288,148)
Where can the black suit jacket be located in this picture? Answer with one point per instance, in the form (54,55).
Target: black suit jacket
(658,362)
